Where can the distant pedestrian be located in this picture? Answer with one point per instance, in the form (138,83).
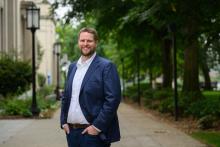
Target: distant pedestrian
(91,97)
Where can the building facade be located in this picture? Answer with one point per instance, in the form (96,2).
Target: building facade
(16,40)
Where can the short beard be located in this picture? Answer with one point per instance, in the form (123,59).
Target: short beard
(89,54)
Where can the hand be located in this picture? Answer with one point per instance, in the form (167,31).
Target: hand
(90,130)
(66,128)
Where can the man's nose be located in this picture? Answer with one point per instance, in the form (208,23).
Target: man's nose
(86,42)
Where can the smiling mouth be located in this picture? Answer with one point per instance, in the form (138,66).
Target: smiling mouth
(86,49)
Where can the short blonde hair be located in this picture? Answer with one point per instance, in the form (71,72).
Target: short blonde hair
(89,30)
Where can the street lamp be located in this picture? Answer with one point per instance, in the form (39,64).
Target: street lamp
(33,23)
(172,28)
(65,64)
(57,47)
(138,75)
(123,77)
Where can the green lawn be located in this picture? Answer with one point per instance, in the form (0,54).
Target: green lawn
(211,94)
(210,138)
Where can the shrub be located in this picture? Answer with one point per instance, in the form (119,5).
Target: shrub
(148,97)
(205,107)
(158,99)
(206,122)
(21,107)
(45,91)
(15,76)
(41,79)
(131,91)
(166,106)
(17,107)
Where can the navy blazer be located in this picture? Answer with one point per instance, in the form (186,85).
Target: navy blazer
(99,97)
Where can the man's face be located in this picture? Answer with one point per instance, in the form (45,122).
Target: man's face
(86,43)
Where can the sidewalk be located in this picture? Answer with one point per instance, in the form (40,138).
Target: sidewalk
(137,130)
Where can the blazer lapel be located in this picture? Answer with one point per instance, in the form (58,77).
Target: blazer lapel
(70,83)
(90,71)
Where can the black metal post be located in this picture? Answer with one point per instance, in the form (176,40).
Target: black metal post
(34,108)
(138,77)
(123,81)
(58,79)
(173,27)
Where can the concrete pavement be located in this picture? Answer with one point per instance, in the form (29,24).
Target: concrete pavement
(137,130)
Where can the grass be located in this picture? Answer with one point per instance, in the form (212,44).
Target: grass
(211,94)
(210,138)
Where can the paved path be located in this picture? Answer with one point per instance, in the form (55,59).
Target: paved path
(137,130)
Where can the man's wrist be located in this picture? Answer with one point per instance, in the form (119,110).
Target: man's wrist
(64,125)
(98,130)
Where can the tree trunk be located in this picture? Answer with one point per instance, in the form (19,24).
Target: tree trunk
(191,80)
(205,71)
(167,63)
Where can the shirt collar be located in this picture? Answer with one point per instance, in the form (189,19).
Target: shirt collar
(87,62)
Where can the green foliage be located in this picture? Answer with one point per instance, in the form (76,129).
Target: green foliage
(211,94)
(163,94)
(45,91)
(131,91)
(16,107)
(207,122)
(21,107)
(15,76)
(41,79)
(206,109)
(166,105)
(210,138)
(44,102)
(144,25)
(69,39)
(158,99)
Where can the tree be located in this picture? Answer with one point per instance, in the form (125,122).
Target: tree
(68,38)
(141,22)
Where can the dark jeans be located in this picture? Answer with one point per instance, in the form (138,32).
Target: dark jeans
(76,139)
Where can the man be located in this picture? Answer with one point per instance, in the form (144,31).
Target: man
(91,97)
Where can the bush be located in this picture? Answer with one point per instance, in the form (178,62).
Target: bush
(21,107)
(206,122)
(131,91)
(205,107)
(45,91)
(163,94)
(17,107)
(15,76)
(148,97)
(166,106)
(41,79)
(158,99)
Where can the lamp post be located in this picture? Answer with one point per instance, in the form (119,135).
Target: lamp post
(57,47)
(33,23)
(123,77)
(172,28)
(65,64)
(138,75)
